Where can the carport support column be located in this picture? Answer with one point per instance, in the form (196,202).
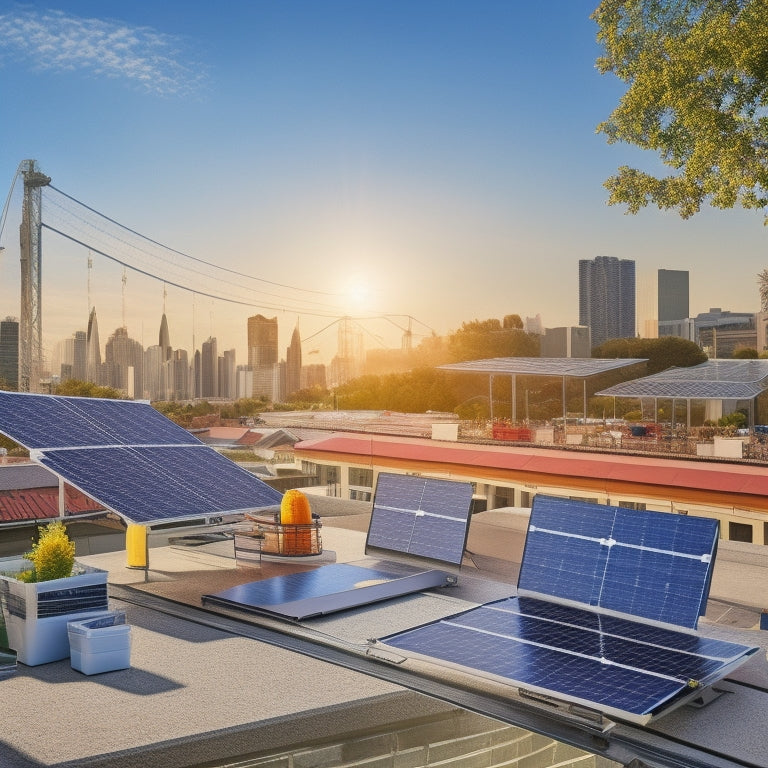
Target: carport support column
(514,399)
(490,396)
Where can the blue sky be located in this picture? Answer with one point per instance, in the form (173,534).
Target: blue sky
(429,158)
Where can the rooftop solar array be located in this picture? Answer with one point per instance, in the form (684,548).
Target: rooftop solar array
(607,603)
(625,670)
(647,564)
(577,367)
(420,516)
(130,458)
(711,380)
(415,522)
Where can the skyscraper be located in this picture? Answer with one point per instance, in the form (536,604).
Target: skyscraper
(125,357)
(262,356)
(165,338)
(293,361)
(673,295)
(209,371)
(607,297)
(9,352)
(93,350)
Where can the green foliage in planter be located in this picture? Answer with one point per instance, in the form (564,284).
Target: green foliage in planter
(53,556)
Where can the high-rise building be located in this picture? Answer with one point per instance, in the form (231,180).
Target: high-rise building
(9,353)
(293,364)
(164,339)
(125,357)
(572,341)
(227,375)
(263,356)
(93,350)
(209,371)
(607,298)
(673,300)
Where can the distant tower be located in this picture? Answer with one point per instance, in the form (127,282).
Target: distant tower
(165,339)
(262,356)
(607,298)
(92,350)
(209,371)
(293,361)
(9,353)
(673,295)
(125,357)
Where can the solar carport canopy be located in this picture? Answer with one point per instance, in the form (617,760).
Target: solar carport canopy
(712,380)
(130,458)
(576,367)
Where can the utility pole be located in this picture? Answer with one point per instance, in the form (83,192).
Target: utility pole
(30,326)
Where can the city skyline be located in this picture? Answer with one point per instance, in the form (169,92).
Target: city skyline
(437,161)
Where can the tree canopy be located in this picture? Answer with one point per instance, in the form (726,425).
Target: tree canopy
(697,72)
(661,353)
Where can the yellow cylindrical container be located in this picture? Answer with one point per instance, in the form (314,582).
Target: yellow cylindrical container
(136,545)
(294,509)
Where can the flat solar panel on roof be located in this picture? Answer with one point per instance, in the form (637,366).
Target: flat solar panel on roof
(328,589)
(647,564)
(601,662)
(130,458)
(420,516)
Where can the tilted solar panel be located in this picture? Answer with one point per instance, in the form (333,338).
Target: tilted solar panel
(130,458)
(52,421)
(420,516)
(647,564)
(620,667)
(607,601)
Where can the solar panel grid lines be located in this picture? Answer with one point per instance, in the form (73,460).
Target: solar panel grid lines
(599,661)
(130,458)
(648,564)
(423,517)
(54,421)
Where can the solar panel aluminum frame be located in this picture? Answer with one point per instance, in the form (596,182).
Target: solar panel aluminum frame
(408,555)
(91,417)
(588,710)
(708,558)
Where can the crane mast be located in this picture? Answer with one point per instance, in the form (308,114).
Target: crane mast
(30,325)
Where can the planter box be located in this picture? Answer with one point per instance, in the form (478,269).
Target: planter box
(36,615)
(100,644)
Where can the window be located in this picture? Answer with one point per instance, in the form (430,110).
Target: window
(361,477)
(740,532)
(503,497)
(632,505)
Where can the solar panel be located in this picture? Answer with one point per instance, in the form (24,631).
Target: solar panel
(328,589)
(51,421)
(608,599)
(415,521)
(130,458)
(620,667)
(420,516)
(652,565)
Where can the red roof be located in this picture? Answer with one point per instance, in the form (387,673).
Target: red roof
(647,470)
(43,503)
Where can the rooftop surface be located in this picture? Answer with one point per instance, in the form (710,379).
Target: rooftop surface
(209,686)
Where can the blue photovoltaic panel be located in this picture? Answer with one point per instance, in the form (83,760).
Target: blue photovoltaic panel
(325,590)
(130,458)
(426,520)
(420,516)
(650,565)
(51,421)
(618,666)
(149,484)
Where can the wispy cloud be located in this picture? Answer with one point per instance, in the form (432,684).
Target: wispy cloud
(148,59)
